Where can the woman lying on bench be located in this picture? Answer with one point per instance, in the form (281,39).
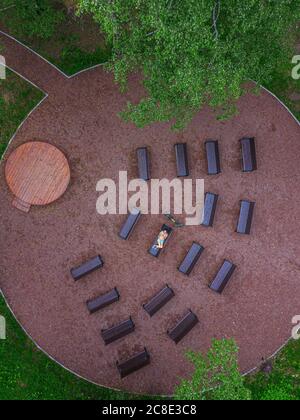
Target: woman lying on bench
(160,241)
(162,237)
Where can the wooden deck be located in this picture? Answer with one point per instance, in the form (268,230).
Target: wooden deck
(37,173)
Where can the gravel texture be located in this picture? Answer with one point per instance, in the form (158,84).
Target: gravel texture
(80,117)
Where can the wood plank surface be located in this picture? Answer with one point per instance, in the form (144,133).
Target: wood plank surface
(37,173)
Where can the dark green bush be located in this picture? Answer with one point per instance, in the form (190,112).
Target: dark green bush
(36,18)
(74,59)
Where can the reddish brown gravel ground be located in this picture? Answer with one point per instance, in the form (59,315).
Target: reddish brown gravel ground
(39,248)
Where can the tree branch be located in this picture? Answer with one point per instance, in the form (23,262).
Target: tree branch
(215,17)
(151,33)
(8,7)
(170,4)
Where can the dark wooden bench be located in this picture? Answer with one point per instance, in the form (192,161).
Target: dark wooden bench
(249,162)
(102,301)
(182,159)
(213,157)
(116,332)
(133,364)
(245,217)
(130,223)
(223,276)
(154,250)
(159,300)
(209,211)
(143,163)
(191,258)
(183,327)
(87,268)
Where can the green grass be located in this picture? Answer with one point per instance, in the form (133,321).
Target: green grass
(283,85)
(17,99)
(27,374)
(76,43)
(284,382)
(73,59)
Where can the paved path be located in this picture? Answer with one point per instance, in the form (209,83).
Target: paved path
(81,118)
(31,66)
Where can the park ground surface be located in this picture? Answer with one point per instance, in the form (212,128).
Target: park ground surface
(26,372)
(80,116)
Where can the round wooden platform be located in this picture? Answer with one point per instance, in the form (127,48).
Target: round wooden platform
(37,173)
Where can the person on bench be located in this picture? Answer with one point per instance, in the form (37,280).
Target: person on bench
(160,241)
(162,237)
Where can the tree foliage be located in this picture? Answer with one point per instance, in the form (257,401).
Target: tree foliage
(193,52)
(216,376)
(34,18)
(283,382)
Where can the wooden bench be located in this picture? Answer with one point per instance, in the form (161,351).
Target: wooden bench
(249,162)
(191,258)
(143,163)
(245,217)
(181,159)
(223,276)
(133,364)
(116,332)
(159,300)
(213,157)
(209,211)
(183,327)
(130,223)
(155,250)
(102,301)
(87,268)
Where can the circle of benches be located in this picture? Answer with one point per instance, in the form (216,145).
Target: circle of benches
(218,284)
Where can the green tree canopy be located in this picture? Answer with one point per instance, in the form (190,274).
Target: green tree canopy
(33,18)
(193,52)
(216,376)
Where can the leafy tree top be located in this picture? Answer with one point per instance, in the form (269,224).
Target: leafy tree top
(34,18)
(216,375)
(193,52)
